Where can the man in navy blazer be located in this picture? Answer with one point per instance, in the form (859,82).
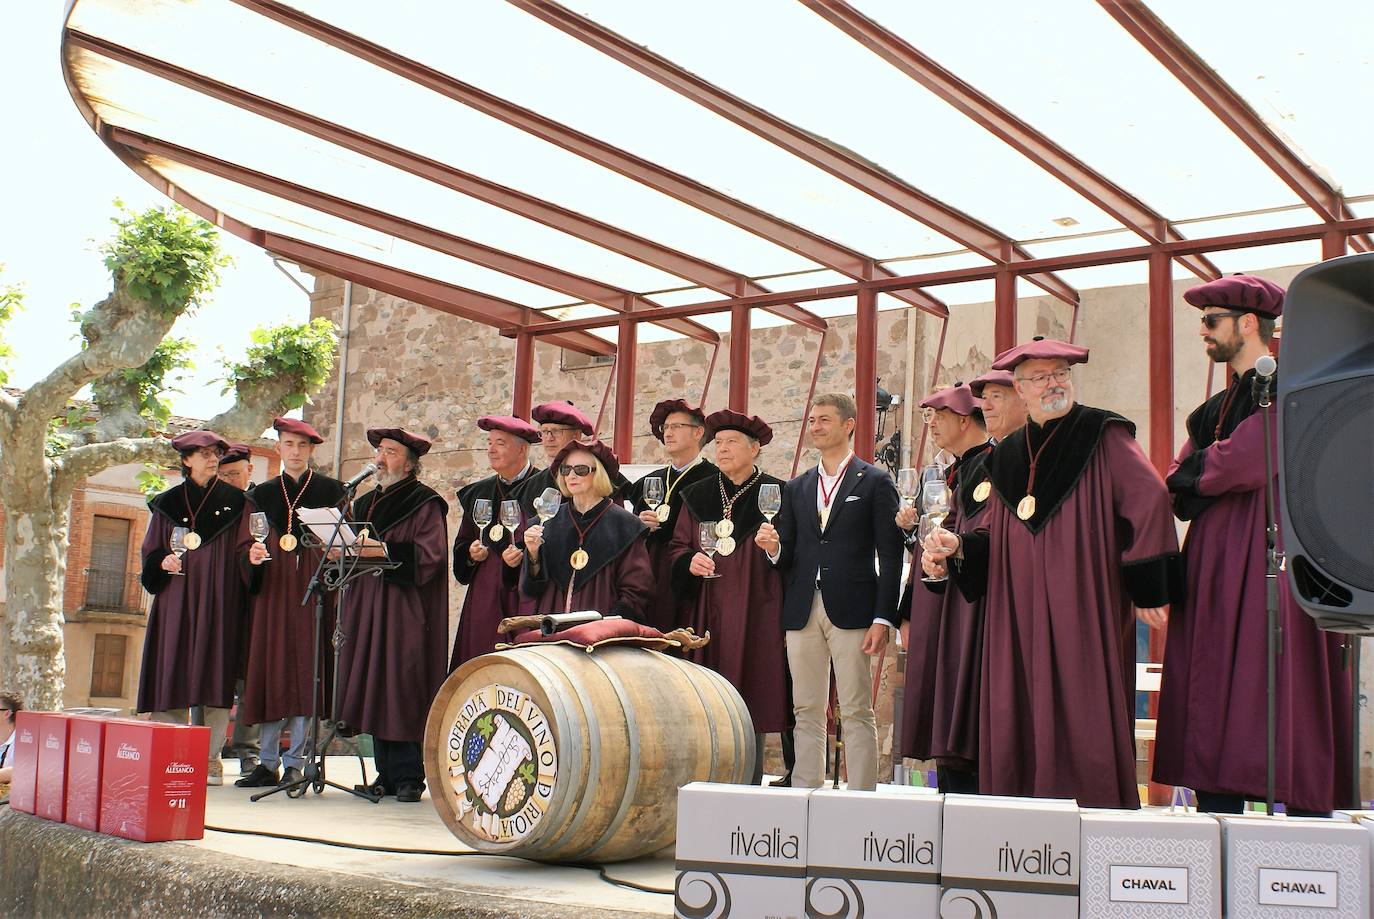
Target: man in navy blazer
(840,553)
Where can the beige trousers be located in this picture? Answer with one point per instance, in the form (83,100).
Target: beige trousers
(216,719)
(810,654)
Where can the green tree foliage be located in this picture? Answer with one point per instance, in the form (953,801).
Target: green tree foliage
(303,353)
(11,302)
(165,256)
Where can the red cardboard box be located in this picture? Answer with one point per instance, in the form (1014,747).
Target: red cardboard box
(85,749)
(152,780)
(50,802)
(24,751)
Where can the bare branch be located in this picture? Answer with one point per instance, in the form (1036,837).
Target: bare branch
(257,404)
(9,407)
(80,463)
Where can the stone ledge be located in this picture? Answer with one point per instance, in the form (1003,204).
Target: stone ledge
(52,869)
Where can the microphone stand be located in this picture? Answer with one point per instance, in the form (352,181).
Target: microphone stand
(330,575)
(1274,564)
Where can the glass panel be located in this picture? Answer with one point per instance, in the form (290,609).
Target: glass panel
(1300,253)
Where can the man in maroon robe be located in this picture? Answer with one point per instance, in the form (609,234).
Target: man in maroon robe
(735,595)
(681,428)
(488,560)
(1212,703)
(190,649)
(1077,538)
(1003,409)
(236,469)
(560,423)
(943,633)
(395,627)
(282,648)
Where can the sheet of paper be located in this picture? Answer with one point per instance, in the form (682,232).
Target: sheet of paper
(322,521)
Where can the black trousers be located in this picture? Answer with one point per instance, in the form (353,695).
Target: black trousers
(956,780)
(1211,802)
(399,762)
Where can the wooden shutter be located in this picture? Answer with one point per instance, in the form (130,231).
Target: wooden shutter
(107,666)
(108,577)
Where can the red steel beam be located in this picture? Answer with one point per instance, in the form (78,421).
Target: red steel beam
(606,155)
(523,394)
(1004,312)
(866,374)
(1161,365)
(626,342)
(710,371)
(1333,245)
(516,266)
(738,399)
(830,157)
(696,270)
(958,275)
(1125,207)
(1232,110)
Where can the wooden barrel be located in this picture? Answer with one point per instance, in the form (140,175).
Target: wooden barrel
(551,753)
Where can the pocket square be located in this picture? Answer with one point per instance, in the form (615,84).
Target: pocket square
(852,498)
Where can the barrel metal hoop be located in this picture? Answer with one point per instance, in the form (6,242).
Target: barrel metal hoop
(632,770)
(681,665)
(734,703)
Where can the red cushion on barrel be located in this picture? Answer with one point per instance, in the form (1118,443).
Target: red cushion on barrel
(594,633)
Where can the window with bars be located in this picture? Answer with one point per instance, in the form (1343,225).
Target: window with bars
(107,666)
(107,578)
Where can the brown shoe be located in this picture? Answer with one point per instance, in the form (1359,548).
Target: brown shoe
(214,775)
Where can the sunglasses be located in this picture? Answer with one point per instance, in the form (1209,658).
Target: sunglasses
(1210,320)
(581,470)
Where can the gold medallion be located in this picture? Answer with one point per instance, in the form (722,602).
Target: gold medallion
(663,512)
(1026,508)
(287,543)
(579,559)
(980,494)
(496,532)
(192,540)
(724,528)
(725,545)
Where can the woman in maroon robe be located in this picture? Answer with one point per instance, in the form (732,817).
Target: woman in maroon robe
(190,650)
(742,606)
(591,555)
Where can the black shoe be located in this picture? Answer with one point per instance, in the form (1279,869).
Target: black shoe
(376,790)
(260,777)
(784,782)
(409,792)
(291,776)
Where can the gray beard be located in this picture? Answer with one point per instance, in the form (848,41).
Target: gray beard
(1055,403)
(387,479)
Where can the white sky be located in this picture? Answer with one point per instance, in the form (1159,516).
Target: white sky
(57,182)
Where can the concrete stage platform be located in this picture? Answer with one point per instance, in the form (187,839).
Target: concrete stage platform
(50,869)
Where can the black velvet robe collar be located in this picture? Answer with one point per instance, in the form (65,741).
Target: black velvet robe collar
(969,471)
(701,472)
(267,497)
(223,506)
(1183,482)
(704,500)
(495,490)
(1059,467)
(401,501)
(608,537)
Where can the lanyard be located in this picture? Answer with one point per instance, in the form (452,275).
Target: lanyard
(728,503)
(826,496)
(291,505)
(668,492)
(186,497)
(1035,458)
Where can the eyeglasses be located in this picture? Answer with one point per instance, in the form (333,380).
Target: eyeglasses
(581,470)
(1210,320)
(550,433)
(678,426)
(927,415)
(208,452)
(1041,380)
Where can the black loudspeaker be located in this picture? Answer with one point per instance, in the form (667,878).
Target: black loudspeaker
(1326,437)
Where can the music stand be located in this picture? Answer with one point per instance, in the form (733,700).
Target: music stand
(331,576)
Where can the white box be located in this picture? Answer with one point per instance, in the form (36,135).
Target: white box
(1133,862)
(1295,868)
(741,851)
(1009,857)
(873,853)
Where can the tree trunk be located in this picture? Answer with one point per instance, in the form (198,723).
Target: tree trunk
(31,659)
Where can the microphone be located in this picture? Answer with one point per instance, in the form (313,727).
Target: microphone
(1266,365)
(369,469)
(1264,378)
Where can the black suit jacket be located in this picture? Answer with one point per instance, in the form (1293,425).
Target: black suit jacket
(860,530)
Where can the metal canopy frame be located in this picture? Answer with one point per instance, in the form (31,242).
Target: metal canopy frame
(989,254)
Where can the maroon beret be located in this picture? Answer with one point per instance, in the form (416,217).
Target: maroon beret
(994,378)
(1038,348)
(194,440)
(659,416)
(726,420)
(957,398)
(562,412)
(511,425)
(596,448)
(416,442)
(237,453)
(1239,292)
(296,426)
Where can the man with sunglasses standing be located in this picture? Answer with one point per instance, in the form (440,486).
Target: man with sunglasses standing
(1076,539)
(1212,702)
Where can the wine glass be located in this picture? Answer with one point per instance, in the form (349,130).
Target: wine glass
(908,486)
(707,534)
(935,500)
(257,528)
(178,544)
(653,491)
(770,500)
(547,504)
(510,514)
(481,513)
